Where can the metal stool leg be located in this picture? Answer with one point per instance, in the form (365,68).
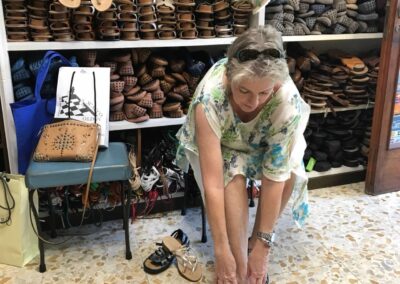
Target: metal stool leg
(123,205)
(185,193)
(52,216)
(126,208)
(42,265)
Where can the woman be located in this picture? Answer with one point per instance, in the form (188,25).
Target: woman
(247,121)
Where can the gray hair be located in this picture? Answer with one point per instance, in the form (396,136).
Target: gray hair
(259,38)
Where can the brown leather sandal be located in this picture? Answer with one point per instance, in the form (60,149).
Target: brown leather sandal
(146,101)
(156,111)
(157,95)
(129,27)
(17,37)
(81,19)
(16,7)
(64,37)
(206,33)
(127,17)
(185,3)
(135,98)
(139,119)
(16,15)
(109,33)
(132,110)
(71,3)
(84,10)
(165,7)
(84,36)
(107,16)
(188,34)
(127,8)
(102,5)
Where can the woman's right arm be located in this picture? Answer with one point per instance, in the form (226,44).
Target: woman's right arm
(211,164)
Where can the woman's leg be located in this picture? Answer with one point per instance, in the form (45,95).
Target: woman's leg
(236,214)
(287,192)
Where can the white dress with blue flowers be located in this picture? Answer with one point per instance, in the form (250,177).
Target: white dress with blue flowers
(270,145)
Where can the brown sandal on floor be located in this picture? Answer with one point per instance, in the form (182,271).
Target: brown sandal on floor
(187,262)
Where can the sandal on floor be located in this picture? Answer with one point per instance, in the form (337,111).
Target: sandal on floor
(161,259)
(188,265)
(158,261)
(187,262)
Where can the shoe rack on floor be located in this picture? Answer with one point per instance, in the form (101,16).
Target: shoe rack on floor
(349,42)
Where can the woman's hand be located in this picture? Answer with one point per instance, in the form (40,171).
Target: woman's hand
(257,264)
(225,267)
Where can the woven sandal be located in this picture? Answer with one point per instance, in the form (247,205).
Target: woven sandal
(146,101)
(134,181)
(133,110)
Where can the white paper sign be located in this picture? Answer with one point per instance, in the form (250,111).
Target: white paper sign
(86,82)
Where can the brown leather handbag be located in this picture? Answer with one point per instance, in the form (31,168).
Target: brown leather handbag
(69,140)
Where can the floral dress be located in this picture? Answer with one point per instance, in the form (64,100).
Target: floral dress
(270,145)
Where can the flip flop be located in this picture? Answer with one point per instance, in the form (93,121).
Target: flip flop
(71,3)
(187,262)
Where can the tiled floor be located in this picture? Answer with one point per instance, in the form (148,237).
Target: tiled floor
(351,237)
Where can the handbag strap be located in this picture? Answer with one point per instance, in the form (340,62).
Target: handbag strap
(94,93)
(7,195)
(86,197)
(44,70)
(89,180)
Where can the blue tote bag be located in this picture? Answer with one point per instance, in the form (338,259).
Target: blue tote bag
(30,115)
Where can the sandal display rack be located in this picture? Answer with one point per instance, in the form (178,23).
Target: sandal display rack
(358,42)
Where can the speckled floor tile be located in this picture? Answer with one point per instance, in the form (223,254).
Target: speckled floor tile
(350,237)
(334,273)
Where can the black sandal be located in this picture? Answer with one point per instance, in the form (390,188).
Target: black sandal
(158,261)
(161,259)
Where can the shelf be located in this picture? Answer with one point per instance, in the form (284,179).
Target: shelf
(338,109)
(332,37)
(154,122)
(52,45)
(335,171)
(165,121)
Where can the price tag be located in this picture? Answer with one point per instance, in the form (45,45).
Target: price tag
(310,165)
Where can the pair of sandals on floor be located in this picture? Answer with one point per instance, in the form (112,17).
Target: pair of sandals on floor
(175,246)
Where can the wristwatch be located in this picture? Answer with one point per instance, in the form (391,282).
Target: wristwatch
(267,238)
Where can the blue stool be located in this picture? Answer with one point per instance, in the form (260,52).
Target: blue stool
(112,164)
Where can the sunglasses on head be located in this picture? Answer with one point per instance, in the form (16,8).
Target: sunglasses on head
(252,54)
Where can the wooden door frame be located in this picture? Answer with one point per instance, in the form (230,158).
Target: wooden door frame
(378,170)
